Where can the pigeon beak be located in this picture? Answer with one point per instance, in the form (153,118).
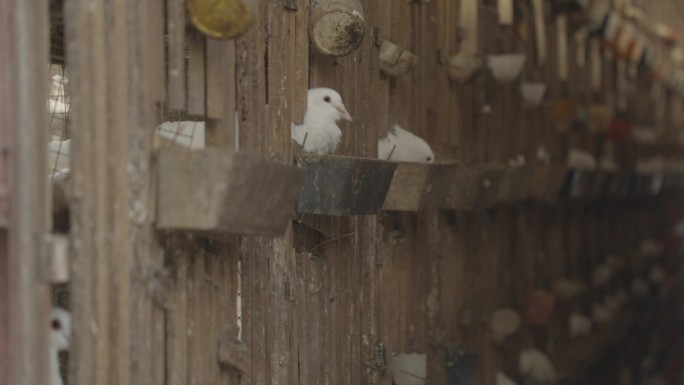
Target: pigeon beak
(343,113)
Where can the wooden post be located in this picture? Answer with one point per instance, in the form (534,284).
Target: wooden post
(24,295)
(115,279)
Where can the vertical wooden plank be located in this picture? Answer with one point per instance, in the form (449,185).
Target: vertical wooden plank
(157,32)
(540,31)
(147,314)
(176,46)
(24,296)
(176,320)
(196,73)
(220,85)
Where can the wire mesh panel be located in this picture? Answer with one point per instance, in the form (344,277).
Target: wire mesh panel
(175,127)
(59,107)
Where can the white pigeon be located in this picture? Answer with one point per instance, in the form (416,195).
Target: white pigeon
(402,146)
(187,133)
(59,155)
(536,366)
(578,325)
(319,133)
(60,334)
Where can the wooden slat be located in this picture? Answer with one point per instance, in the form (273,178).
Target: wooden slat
(24,296)
(221,93)
(157,33)
(196,85)
(175,58)
(177,316)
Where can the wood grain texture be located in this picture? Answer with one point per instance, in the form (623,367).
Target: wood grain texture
(319,302)
(24,208)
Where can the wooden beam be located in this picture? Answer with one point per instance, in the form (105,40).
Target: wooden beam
(24,295)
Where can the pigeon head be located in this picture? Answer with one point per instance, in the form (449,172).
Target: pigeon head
(60,329)
(325,104)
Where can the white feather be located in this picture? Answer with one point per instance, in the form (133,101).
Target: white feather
(403,146)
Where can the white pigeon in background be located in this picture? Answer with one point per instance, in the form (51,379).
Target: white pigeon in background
(403,146)
(319,133)
(60,334)
(580,159)
(536,366)
(578,325)
(186,133)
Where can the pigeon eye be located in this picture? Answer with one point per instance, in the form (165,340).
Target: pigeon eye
(56,325)
(327,99)
(429,159)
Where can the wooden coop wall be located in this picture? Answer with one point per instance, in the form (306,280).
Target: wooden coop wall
(159,308)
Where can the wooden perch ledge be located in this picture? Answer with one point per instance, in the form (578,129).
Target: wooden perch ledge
(217,190)
(220,190)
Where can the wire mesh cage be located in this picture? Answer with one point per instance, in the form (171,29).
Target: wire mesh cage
(59,106)
(177,128)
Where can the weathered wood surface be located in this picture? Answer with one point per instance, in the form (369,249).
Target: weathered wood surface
(320,301)
(224,191)
(335,185)
(24,200)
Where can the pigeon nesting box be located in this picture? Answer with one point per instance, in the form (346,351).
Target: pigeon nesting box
(416,186)
(506,68)
(340,185)
(463,67)
(220,190)
(532,92)
(547,182)
(577,183)
(517,184)
(220,19)
(395,60)
(337,26)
